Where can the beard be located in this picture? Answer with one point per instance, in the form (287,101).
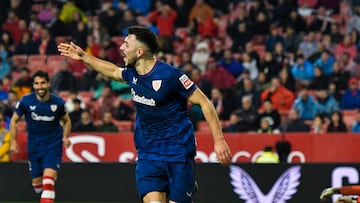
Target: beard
(41,92)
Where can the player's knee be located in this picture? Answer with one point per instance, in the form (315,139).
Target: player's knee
(38,187)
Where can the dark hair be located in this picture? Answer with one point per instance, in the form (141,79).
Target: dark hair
(41,74)
(146,36)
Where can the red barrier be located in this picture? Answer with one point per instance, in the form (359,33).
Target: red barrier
(105,147)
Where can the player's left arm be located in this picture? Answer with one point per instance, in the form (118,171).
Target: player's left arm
(67,129)
(221,148)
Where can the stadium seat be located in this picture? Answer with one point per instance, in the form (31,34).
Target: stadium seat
(19,61)
(60,39)
(349,117)
(118,40)
(260,49)
(77,68)
(38,59)
(64,94)
(203,126)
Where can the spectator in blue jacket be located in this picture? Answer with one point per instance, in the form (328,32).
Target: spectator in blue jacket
(351,97)
(355,128)
(4,65)
(305,105)
(325,104)
(326,62)
(303,70)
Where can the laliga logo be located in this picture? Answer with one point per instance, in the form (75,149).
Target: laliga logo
(91,139)
(284,188)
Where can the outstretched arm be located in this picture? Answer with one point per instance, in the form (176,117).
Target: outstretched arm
(221,148)
(106,68)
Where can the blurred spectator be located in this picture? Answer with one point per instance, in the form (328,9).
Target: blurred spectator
(273,38)
(280,55)
(269,111)
(107,124)
(7,42)
(64,79)
(287,79)
(127,20)
(99,32)
(108,101)
(325,103)
(201,55)
(354,23)
(199,13)
(317,126)
(246,89)
(223,105)
(140,7)
(75,113)
(85,124)
(164,18)
(261,27)
(317,54)
(250,64)
(336,123)
(304,104)
(25,46)
(109,19)
(355,128)
(325,62)
(281,97)
(269,66)
(308,45)
(351,97)
(233,66)
(346,45)
(45,14)
(79,34)
(11,25)
(320,81)
(181,7)
(333,91)
(348,64)
(218,49)
(8,105)
(23,85)
(4,95)
(46,44)
(240,30)
(327,43)
(124,112)
(282,12)
(70,100)
(266,124)
(231,125)
(218,76)
(67,12)
(303,70)
(203,84)
(4,65)
(339,77)
(268,156)
(322,21)
(92,48)
(4,141)
(294,123)
(335,34)
(248,116)
(292,39)
(297,22)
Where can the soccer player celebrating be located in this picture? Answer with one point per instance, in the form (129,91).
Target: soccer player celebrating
(348,193)
(164,136)
(46,135)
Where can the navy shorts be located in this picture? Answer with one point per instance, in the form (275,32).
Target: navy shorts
(174,178)
(49,158)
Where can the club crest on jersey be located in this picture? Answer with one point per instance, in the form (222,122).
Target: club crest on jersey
(185,81)
(53,107)
(156,84)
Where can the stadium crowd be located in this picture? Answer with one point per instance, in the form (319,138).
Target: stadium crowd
(267,65)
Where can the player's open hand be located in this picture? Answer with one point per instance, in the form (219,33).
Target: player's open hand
(223,153)
(71,50)
(14,147)
(66,142)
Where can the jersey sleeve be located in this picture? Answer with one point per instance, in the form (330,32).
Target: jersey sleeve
(184,85)
(126,74)
(62,110)
(20,108)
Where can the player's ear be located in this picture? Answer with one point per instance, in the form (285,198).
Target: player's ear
(140,52)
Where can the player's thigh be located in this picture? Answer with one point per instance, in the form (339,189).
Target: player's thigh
(151,176)
(182,181)
(51,158)
(35,166)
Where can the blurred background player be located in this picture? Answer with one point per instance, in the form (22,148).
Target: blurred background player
(164,135)
(43,113)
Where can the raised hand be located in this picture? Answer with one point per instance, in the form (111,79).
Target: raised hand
(71,50)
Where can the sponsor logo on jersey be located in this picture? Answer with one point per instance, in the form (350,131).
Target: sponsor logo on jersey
(32,108)
(185,81)
(283,189)
(37,117)
(142,99)
(156,84)
(134,80)
(53,107)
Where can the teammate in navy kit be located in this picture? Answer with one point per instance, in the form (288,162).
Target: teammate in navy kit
(43,113)
(164,136)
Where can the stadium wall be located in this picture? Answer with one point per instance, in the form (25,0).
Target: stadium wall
(292,183)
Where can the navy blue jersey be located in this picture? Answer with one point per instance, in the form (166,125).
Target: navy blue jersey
(42,120)
(163,129)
